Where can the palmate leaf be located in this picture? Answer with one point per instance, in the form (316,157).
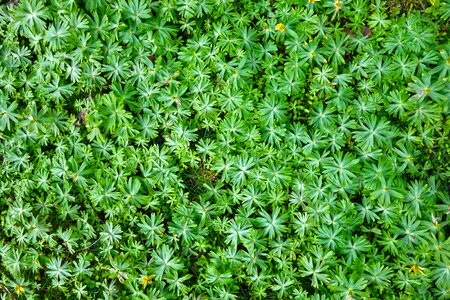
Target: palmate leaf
(282,285)
(187,8)
(359,68)
(441,273)
(444,66)
(272,110)
(318,189)
(425,61)
(381,70)
(13,260)
(425,112)
(135,10)
(131,190)
(388,212)
(294,68)
(323,117)
(410,229)
(57,35)
(399,103)
(241,169)
(7,115)
(111,233)
(237,232)
(420,37)
(440,246)
(152,228)
(313,141)
(445,8)
(162,30)
(342,96)
(184,228)
(57,90)
(207,148)
(31,15)
(312,53)
(176,283)
(353,247)
(117,68)
(407,156)
(403,66)
(337,48)
(277,176)
(379,275)
(374,132)
(273,134)
(164,261)
(113,112)
(316,270)
(387,189)
(349,285)
(344,187)
(323,75)
(99,24)
(57,269)
(329,236)
(424,88)
(345,166)
(69,239)
(272,225)
(397,42)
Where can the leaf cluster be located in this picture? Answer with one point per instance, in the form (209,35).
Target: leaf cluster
(197,149)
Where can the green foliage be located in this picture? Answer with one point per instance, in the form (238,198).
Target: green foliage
(217,149)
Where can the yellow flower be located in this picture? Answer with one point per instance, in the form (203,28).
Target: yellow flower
(416,268)
(435,220)
(19,289)
(280,27)
(337,5)
(148,279)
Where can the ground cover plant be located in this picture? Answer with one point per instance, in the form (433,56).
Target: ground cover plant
(224,149)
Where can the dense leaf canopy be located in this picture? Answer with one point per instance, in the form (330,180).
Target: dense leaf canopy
(224,149)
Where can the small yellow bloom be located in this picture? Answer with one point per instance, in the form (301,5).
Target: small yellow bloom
(337,5)
(280,27)
(435,220)
(313,1)
(19,289)
(148,279)
(416,268)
